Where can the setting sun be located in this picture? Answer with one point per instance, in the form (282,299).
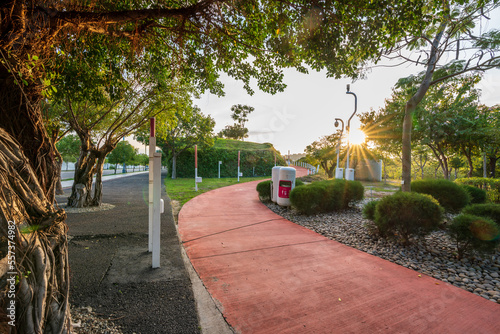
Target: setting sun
(357,137)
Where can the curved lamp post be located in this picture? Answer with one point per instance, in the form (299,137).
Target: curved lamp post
(349,122)
(338,145)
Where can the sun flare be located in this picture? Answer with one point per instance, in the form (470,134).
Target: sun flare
(357,137)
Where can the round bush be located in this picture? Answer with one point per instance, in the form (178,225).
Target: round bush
(471,232)
(307,199)
(369,210)
(264,190)
(477,195)
(341,193)
(334,195)
(488,210)
(354,192)
(299,183)
(407,214)
(450,195)
(331,195)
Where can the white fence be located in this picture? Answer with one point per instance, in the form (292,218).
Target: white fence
(312,169)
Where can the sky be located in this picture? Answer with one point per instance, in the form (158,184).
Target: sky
(307,109)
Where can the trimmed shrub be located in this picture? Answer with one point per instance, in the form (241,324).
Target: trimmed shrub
(332,195)
(264,190)
(369,210)
(477,195)
(488,210)
(307,199)
(298,183)
(450,195)
(491,186)
(334,191)
(340,194)
(354,192)
(471,232)
(407,214)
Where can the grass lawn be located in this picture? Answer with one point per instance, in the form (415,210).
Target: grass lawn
(182,189)
(381,189)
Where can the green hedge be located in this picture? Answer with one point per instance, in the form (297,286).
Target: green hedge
(491,186)
(477,195)
(450,195)
(259,162)
(488,210)
(264,190)
(308,199)
(369,210)
(326,196)
(470,232)
(407,214)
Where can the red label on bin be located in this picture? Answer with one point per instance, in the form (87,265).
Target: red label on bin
(284,189)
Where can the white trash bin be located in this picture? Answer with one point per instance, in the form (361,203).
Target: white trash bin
(274,185)
(339,173)
(285,185)
(349,175)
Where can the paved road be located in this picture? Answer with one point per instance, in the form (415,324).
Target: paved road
(71,174)
(111,266)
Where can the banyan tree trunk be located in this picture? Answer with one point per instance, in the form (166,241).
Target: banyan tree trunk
(37,278)
(35,231)
(81,195)
(59,162)
(97,198)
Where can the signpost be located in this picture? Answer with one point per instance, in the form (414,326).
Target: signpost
(196,167)
(155,207)
(152,147)
(238,166)
(196,178)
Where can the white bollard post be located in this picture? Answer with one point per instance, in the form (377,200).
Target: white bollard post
(196,167)
(152,148)
(238,166)
(156,210)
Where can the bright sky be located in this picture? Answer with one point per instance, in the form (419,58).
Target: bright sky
(307,109)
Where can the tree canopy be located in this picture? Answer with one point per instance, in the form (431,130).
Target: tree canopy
(448,123)
(69,147)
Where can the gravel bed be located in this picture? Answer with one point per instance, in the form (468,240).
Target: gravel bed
(432,255)
(85,321)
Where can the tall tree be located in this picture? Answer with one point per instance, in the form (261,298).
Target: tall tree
(491,143)
(69,148)
(123,153)
(101,127)
(188,127)
(238,129)
(324,152)
(447,121)
(452,32)
(196,40)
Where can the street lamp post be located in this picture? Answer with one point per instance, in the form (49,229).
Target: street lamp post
(349,124)
(337,174)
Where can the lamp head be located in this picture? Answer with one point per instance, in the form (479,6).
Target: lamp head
(336,123)
(348,87)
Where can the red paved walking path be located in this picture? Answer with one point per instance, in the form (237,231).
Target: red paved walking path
(269,275)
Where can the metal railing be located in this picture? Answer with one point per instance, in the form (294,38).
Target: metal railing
(312,169)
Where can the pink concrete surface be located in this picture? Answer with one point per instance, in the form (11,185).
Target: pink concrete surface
(269,275)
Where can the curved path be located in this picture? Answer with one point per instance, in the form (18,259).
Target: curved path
(269,275)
